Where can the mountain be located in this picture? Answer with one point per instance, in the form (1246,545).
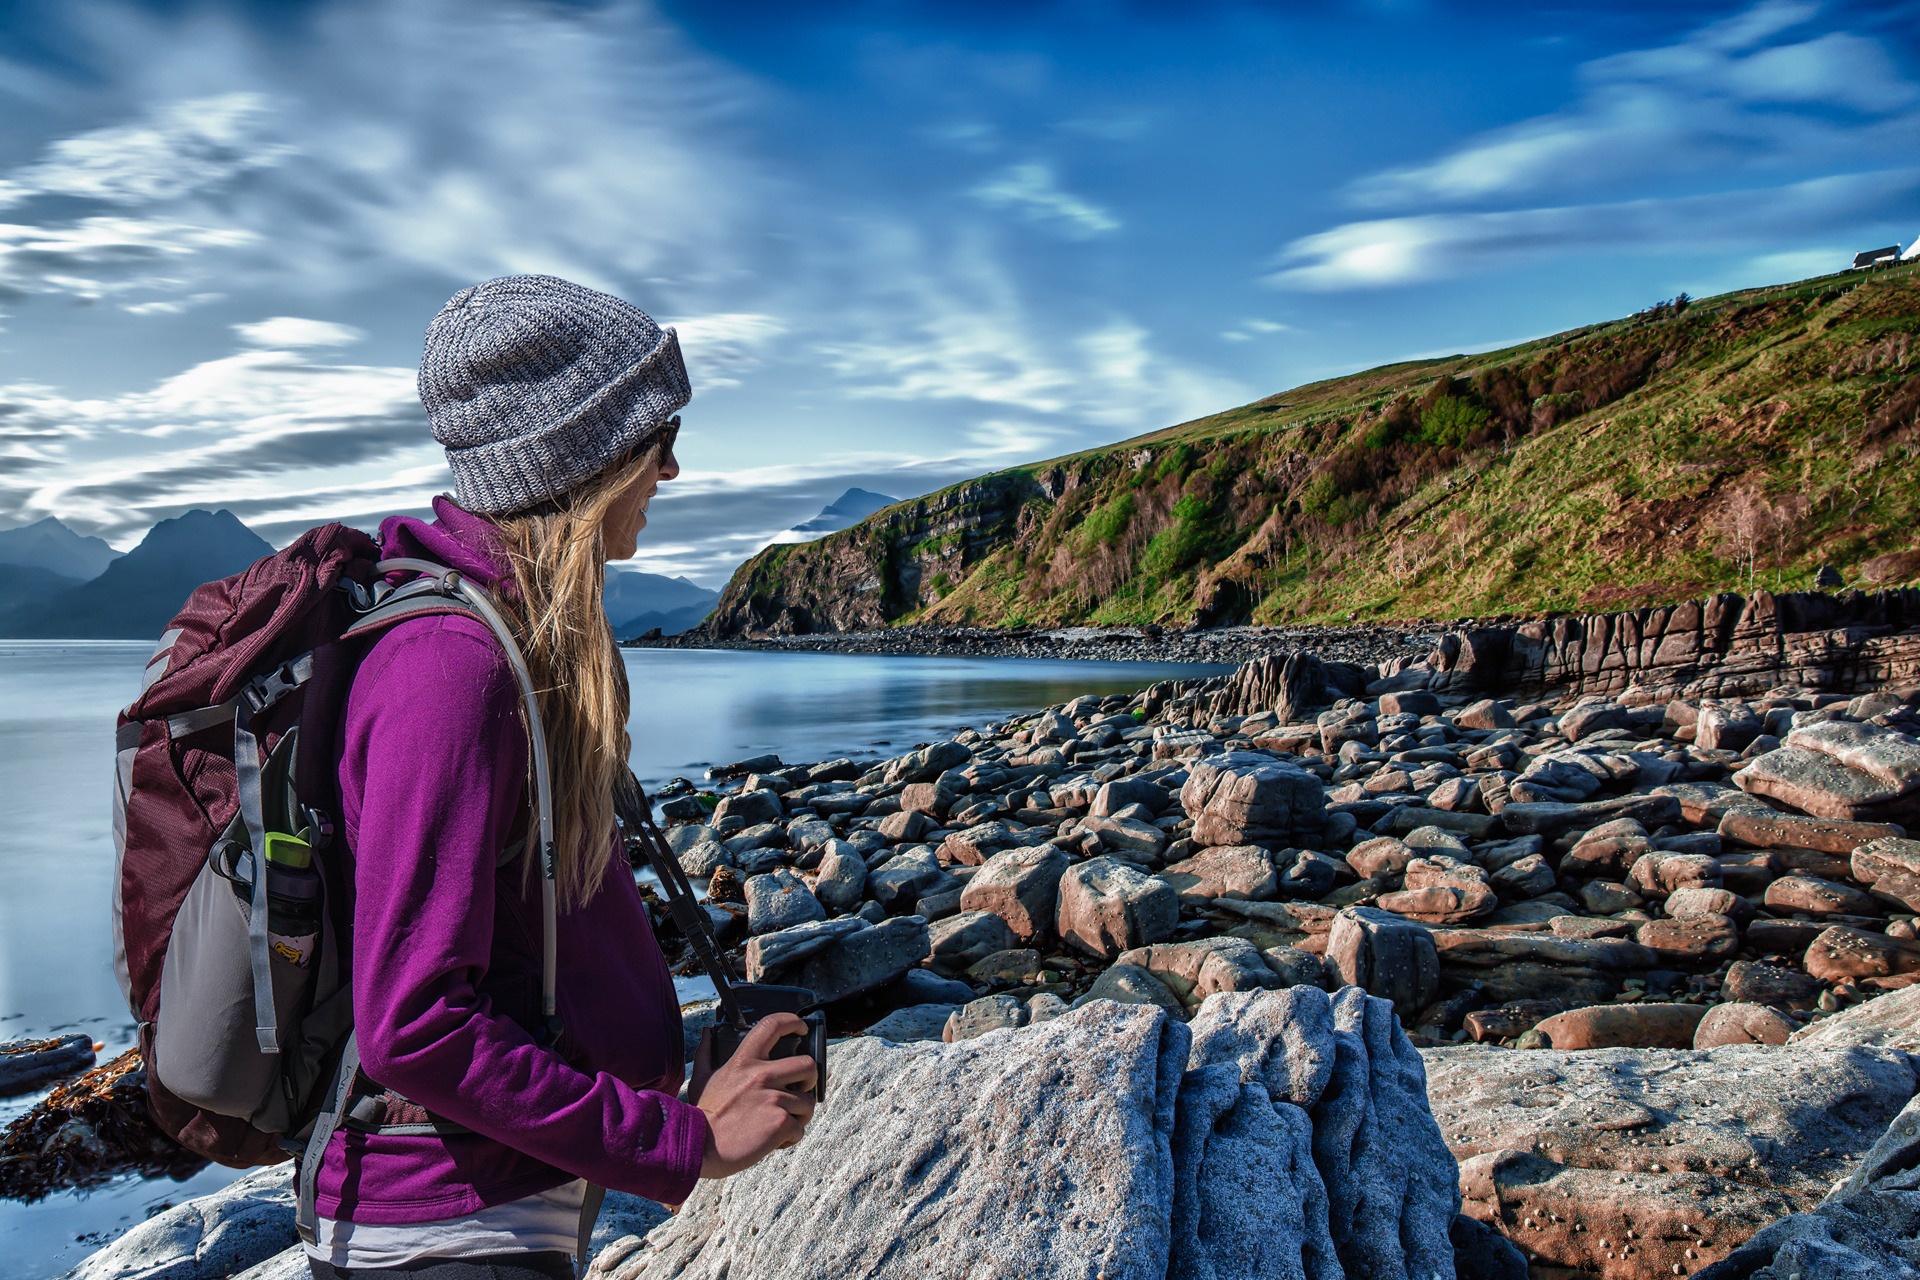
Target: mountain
(1745,440)
(134,597)
(48,544)
(849,508)
(637,602)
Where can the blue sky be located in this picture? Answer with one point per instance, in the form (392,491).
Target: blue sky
(903,243)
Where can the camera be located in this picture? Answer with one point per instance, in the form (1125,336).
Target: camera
(761,1000)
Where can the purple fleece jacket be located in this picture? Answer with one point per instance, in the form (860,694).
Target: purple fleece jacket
(446,948)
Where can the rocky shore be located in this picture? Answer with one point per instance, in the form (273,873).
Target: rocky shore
(1229,645)
(1640,944)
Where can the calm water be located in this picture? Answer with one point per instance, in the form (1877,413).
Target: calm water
(691,708)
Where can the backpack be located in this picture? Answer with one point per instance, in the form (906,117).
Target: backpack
(232,906)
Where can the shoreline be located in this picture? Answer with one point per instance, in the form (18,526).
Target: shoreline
(1363,645)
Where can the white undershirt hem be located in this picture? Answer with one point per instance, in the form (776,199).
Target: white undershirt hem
(532,1224)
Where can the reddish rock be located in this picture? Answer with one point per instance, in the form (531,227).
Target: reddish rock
(1769,830)
(1624,1026)
(1107,907)
(1753,982)
(1229,871)
(1442,891)
(1658,874)
(1818,784)
(1384,856)
(1741,1024)
(1706,936)
(1816,897)
(1608,858)
(1843,952)
(1695,902)
(1890,758)
(1243,798)
(1725,728)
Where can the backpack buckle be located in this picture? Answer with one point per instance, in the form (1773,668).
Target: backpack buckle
(266,689)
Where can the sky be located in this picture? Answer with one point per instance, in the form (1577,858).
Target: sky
(902,244)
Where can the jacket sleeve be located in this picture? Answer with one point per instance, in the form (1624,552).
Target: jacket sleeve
(434,724)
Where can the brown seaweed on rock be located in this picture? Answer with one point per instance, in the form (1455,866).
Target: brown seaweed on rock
(87,1131)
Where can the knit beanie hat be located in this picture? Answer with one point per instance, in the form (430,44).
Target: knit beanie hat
(536,385)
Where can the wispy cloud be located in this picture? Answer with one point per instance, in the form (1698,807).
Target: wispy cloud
(720,348)
(1703,144)
(1032,190)
(175,149)
(286,332)
(1412,250)
(100,257)
(247,426)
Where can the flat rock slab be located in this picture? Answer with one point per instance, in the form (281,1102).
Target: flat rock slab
(1044,1151)
(1693,1151)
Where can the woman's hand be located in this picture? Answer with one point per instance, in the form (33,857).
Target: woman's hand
(755,1105)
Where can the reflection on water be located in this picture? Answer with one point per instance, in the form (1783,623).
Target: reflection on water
(691,708)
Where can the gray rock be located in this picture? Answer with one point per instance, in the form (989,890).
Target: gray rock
(680,839)
(1107,907)
(1528,877)
(1226,871)
(28,1064)
(1310,874)
(864,959)
(753,807)
(701,860)
(772,953)
(841,878)
(1549,818)
(1304,1146)
(1021,886)
(779,900)
(914,1022)
(1386,956)
(899,883)
(1247,798)
(915,1165)
(927,763)
(988,1013)
(211,1238)
(1118,794)
(960,941)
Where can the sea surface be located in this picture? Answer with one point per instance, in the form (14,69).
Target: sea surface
(691,709)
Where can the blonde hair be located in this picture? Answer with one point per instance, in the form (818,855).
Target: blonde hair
(558,556)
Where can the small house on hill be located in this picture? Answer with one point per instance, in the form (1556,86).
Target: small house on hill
(1874,257)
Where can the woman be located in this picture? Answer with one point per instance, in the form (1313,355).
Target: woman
(556,406)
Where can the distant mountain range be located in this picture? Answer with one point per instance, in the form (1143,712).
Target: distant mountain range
(638,602)
(57,584)
(850,508)
(133,595)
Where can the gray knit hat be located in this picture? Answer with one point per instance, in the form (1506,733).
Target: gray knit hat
(536,385)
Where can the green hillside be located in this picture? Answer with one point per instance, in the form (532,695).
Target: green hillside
(1745,439)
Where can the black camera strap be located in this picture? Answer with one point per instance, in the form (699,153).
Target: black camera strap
(689,915)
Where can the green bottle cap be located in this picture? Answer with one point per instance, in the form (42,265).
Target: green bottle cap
(288,851)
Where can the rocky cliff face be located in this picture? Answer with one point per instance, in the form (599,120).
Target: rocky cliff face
(1723,646)
(884,567)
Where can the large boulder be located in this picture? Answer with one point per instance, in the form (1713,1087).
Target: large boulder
(1627,1164)
(1285,1134)
(1107,907)
(1021,886)
(1241,797)
(1386,956)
